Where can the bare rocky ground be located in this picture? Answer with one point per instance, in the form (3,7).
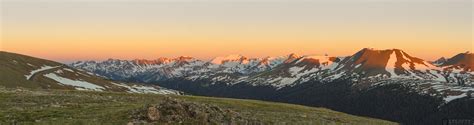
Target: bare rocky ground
(173,110)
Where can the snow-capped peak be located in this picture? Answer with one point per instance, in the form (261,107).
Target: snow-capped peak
(392,63)
(315,57)
(272,61)
(278,71)
(461,61)
(292,57)
(439,61)
(163,60)
(152,62)
(229,58)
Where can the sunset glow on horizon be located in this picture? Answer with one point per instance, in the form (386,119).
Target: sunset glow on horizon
(146,29)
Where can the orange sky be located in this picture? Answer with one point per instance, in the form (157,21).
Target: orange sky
(69,31)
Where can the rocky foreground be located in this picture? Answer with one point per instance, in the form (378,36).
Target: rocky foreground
(172,110)
(23,106)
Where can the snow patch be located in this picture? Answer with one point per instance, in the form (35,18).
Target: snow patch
(358,65)
(29,64)
(438,76)
(391,65)
(144,89)
(421,67)
(295,70)
(451,98)
(296,74)
(39,70)
(287,81)
(80,85)
(70,70)
(337,76)
(59,71)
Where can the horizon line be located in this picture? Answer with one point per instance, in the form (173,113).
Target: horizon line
(210,59)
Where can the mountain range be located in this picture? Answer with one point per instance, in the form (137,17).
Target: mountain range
(388,84)
(365,67)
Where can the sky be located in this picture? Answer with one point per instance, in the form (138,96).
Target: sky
(71,30)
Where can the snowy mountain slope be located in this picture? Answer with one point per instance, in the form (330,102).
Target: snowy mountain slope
(277,71)
(161,69)
(296,71)
(367,65)
(392,63)
(29,72)
(364,68)
(439,61)
(462,61)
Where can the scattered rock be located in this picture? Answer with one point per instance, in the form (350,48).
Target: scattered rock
(176,111)
(153,114)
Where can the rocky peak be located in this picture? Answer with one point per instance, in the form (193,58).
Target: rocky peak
(230,58)
(463,61)
(292,57)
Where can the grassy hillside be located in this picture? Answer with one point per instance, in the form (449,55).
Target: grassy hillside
(85,107)
(14,67)
(21,71)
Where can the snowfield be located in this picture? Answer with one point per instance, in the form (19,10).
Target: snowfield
(79,85)
(43,68)
(145,89)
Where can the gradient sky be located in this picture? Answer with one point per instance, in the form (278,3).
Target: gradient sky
(69,30)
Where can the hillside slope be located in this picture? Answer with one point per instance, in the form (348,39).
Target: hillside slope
(20,71)
(83,107)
